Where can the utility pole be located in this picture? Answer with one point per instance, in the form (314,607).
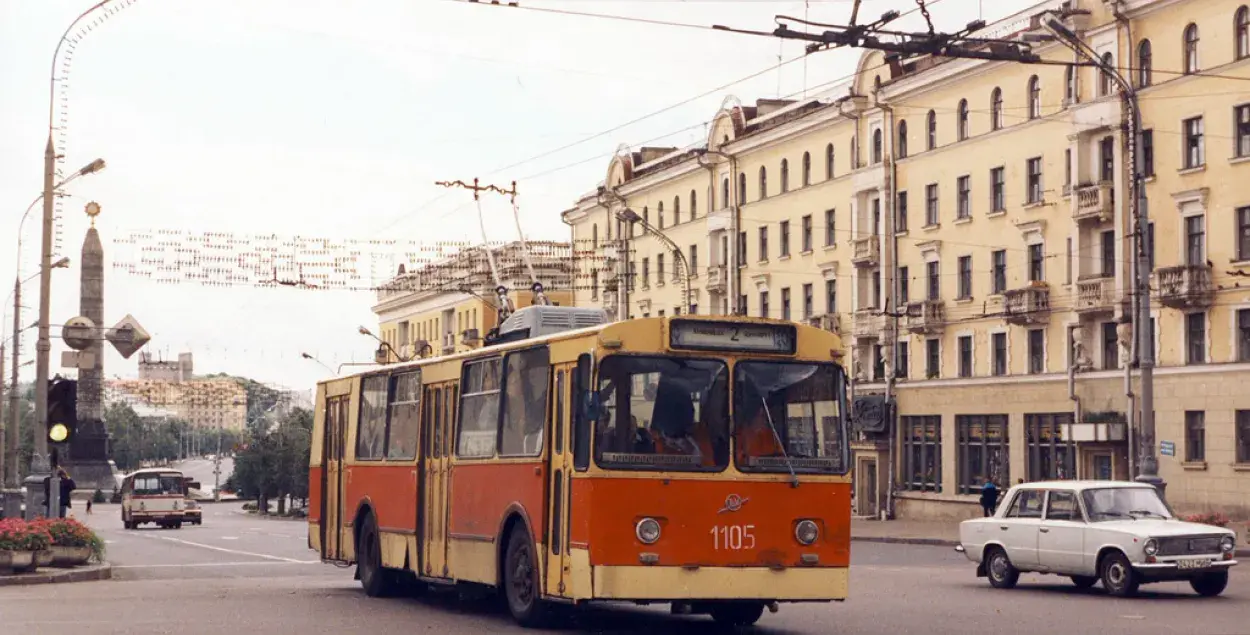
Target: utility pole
(11,434)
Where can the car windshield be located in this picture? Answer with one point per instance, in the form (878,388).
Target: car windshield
(662,413)
(787,417)
(1116,503)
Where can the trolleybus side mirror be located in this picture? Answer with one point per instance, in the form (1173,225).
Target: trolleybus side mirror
(585,412)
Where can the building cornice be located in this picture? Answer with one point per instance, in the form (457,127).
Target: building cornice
(823,117)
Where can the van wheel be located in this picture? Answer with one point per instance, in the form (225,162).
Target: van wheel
(520,581)
(1002,574)
(737,613)
(1117,575)
(377,581)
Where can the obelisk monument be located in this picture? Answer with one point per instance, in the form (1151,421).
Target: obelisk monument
(89,458)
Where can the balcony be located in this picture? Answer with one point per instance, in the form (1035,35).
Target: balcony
(717,278)
(1095,203)
(1095,295)
(925,318)
(449,342)
(866,252)
(831,322)
(868,324)
(1030,305)
(1184,287)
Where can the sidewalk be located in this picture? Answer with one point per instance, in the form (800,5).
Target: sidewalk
(87,573)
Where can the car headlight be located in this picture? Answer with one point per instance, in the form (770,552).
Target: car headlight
(1227,544)
(806,532)
(647,530)
(1151,548)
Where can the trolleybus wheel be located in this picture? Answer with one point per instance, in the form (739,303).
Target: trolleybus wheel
(520,581)
(738,613)
(377,581)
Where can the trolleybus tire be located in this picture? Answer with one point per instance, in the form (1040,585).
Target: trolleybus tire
(737,613)
(376,580)
(521,589)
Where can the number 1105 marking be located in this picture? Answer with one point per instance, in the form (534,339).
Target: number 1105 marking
(733,537)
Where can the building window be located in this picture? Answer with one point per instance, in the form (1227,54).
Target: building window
(659,268)
(998,271)
(831,297)
(763,182)
(1070,93)
(982,452)
(785,176)
(1110,346)
(1108,253)
(1191,49)
(931,217)
(1195,240)
(996,109)
(694,260)
(998,190)
(1036,258)
(963,187)
(694,205)
(594,285)
(763,304)
(1242,130)
(998,342)
(1049,456)
(763,243)
(1035,97)
(807,233)
(724,192)
(904,286)
(1195,143)
(1242,436)
(878,362)
(1243,335)
(902,140)
(965,356)
(1145,64)
(965,277)
(877,148)
(1242,32)
(962,123)
(831,238)
(1106,156)
(646,272)
(1037,351)
(932,130)
(1105,82)
(934,278)
(1034,169)
(1196,338)
(1067,172)
(1148,152)
(1195,436)
(933,358)
(785,304)
(829,161)
(900,212)
(659,209)
(742,249)
(785,239)
(876,289)
(807,169)
(808,301)
(922,453)
(742,188)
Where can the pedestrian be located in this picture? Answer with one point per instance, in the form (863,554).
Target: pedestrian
(989,498)
(88,506)
(67,489)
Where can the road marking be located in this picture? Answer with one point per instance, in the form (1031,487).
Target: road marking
(224,550)
(214,564)
(229,537)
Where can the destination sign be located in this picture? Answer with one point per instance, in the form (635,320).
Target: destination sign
(727,336)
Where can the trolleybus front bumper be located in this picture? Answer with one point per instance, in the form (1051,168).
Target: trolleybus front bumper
(658,583)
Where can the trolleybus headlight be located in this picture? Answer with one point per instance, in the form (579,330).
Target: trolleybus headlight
(1227,543)
(1151,548)
(647,530)
(806,532)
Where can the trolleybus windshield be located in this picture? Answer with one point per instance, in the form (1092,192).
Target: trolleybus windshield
(787,416)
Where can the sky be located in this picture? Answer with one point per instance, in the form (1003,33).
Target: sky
(333,120)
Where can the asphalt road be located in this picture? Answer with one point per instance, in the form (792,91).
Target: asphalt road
(241,574)
(202,470)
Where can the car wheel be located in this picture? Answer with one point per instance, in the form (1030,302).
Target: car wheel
(1118,577)
(737,613)
(1002,574)
(1210,585)
(1084,581)
(520,581)
(376,580)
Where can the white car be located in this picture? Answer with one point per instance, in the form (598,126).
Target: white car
(1119,533)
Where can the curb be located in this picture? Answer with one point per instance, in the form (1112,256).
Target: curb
(85,574)
(941,542)
(274,517)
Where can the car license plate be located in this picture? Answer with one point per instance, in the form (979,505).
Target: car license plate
(1192,564)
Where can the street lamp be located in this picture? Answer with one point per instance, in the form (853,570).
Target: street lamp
(1148,465)
(314,359)
(385,344)
(630,216)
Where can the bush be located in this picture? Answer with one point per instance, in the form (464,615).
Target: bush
(19,535)
(67,532)
(98,497)
(1209,518)
(249,507)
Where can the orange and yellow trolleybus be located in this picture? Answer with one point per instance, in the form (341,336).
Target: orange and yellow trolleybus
(697,461)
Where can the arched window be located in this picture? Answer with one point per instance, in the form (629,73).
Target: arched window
(902,139)
(996,109)
(1145,63)
(763,182)
(829,161)
(724,193)
(785,176)
(807,169)
(1191,49)
(1035,97)
(659,210)
(932,135)
(676,210)
(1070,93)
(1241,26)
(962,119)
(694,206)
(877,146)
(1106,85)
(742,188)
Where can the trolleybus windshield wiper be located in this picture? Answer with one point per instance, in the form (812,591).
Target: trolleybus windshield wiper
(794,478)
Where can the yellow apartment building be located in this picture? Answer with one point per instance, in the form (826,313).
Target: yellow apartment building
(450,305)
(203,403)
(964,224)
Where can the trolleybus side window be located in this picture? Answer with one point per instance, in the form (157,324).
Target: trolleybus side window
(558,408)
(583,413)
(479,409)
(405,406)
(526,377)
(662,413)
(371,426)
(787,415)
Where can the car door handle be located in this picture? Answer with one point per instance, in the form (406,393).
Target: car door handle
(1044,530)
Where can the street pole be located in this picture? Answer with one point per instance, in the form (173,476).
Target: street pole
(12,436)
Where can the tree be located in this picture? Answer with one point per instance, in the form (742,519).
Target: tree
(275,463)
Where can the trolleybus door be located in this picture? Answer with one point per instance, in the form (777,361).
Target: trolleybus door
(434,504)
(557,570)
(332,478)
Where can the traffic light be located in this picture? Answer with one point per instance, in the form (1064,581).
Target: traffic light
(62,410)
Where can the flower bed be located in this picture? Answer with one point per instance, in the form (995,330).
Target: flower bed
(1210,518)
(69,534)
(19,535)
(62,542)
